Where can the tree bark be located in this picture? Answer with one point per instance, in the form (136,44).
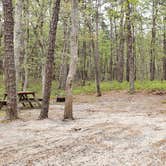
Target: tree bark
(25,42)
(63,70)
(50,61)
(164,50)
(111,50)
(130,47)
(10,73)
(1,38)
(120,63)
(18,44)
(68,113)
(96,52)
(153,41)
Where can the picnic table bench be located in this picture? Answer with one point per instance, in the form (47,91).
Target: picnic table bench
(24,97)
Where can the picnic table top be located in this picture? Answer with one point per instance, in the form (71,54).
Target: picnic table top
(23,92)
(26,92)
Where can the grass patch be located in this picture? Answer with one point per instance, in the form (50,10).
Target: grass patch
(2,113)
(114,85)
(150,85)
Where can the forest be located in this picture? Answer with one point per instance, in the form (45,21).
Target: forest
(83,82)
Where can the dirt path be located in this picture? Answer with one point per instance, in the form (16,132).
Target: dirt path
(115,130)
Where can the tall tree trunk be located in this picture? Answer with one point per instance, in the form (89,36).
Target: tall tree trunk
(24,58)
(50,61)
(96,52)
(120,63)
(83,63)
(141,52)
(68,113)
(127,57)
(18,44)
(10,73)
(134,51)
(130,47)
(63,70)
(111,50)
(1,37)
(164,49)
(116,50)
(153,41)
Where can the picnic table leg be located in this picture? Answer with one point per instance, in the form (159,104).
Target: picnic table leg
(21,99)
(23,104)
(36,100)
(31,105)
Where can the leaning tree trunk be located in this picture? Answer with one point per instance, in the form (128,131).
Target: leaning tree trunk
(18,44)
(130,47)
(50,61)
(10,73)
(68,113)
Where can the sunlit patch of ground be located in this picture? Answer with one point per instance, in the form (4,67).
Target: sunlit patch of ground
(115,129)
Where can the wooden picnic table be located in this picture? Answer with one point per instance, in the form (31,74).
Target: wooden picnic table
(25,97)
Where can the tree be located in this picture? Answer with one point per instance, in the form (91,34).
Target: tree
(10,73)
(50,61)
(96,52)
(130,47)
(18,34)
(164,49)
(68,113)
(153,41)
(65,49)
(25,44)
(63,70)
(120,63)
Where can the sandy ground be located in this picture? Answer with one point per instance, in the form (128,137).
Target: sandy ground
(115,130)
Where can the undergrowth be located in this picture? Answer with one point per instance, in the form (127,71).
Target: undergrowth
(90,87)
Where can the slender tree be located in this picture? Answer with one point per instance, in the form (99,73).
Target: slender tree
(50,61)
(130,47)
(18,44)
(164,49)
(111,49)
(153,40)
(96,52)
(68,113)
(120,63)
(63,69)
(10,73)
(26,41)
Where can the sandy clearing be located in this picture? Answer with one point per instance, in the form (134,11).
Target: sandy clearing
(115,130)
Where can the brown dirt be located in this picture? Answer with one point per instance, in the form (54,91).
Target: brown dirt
(116,129)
